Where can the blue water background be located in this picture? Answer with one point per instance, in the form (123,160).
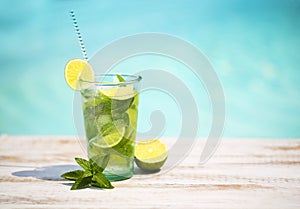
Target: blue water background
(253,45)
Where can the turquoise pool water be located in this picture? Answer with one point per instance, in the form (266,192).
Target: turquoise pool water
(253,45)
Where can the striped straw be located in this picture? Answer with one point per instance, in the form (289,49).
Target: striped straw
(77,31)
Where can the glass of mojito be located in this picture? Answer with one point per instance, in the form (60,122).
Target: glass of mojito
(110,112)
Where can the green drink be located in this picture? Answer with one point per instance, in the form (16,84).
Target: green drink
(110,110)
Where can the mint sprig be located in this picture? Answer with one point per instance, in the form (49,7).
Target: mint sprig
(91,175)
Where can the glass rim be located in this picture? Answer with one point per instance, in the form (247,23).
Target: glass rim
(136,79)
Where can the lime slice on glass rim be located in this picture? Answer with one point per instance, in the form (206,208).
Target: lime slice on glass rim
(150,155)
(77,69)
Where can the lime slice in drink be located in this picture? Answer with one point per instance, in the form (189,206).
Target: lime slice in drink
(150,155)
(78,69)
(120,92)
(109,140)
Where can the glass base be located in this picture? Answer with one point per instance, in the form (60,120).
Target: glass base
(119,167)
(114,177)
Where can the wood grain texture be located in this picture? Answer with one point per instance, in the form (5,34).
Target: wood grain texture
(243,173)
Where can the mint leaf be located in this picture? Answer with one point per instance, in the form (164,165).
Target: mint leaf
(101,185)
(91,176)
(83,163)
(87,174)
(83,181)
(100,180)
(73,175)
(120,78)
(99,162)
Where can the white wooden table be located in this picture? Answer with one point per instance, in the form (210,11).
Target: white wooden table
(242,174)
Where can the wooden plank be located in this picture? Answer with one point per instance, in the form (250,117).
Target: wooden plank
(244,173)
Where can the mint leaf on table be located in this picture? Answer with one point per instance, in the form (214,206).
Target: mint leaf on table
(99,179)
(73,175)
(91,175)
(83,163)
(84,181)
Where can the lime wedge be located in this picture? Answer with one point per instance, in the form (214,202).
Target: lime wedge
(109,140)
(150,155)
(78,69)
